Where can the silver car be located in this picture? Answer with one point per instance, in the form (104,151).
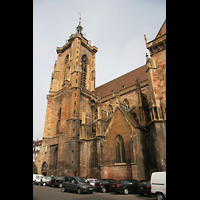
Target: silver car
(77,184)
(91,181)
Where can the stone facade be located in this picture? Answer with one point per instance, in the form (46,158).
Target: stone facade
(117,130)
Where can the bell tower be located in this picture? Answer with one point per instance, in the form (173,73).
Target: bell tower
(75,63)
(72,86)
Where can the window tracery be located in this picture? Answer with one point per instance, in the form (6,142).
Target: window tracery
(84,70)
(120,150)
(126,104)
(110,110)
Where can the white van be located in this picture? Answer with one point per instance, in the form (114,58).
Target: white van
(158,185)
(37,178)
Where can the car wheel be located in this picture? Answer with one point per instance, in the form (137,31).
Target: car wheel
(63,189)
(79,191)
(125,191)
(160,196)
(59,185)
(44,184)
(103,190)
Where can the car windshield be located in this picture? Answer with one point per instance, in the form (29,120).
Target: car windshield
(81,180)
(143,182)
(49,178)
(120,181)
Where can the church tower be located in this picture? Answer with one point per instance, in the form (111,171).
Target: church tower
(71,91)
(117,130)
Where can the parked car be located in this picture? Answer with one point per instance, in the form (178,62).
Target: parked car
(77,184)
(158,185)
(91,181)
(104,185)
(46,180)
(126,186)
(144,187)
(58,181)
(52,181)
(37,178)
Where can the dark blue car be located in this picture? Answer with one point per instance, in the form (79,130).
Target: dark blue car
(126,186)
(144,187)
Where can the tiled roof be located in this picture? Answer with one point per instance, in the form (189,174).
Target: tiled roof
(36,143)
(124,80)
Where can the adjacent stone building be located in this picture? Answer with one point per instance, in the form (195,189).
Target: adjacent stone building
(117,130)
(36,148)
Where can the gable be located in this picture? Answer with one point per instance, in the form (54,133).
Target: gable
(119,126)
(162,30)
(121,123)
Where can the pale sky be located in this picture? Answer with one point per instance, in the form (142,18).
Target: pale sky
(115,27)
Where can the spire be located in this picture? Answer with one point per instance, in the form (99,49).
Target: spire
(79,27)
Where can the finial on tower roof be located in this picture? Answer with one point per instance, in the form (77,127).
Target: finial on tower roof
(80,19)
(79,27)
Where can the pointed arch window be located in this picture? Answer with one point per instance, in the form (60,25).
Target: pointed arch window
(101,154)
(120,150)
(94,155)
(67,68)
(55,158)
(126,104)
(58,122)
(84,70)
(67,59)
(110,110)
(96,114)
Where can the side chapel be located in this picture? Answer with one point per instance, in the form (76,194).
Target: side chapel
(116,130)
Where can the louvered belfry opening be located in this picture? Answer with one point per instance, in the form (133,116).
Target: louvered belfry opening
(84,70)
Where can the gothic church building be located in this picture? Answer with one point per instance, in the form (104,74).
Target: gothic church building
(117,130)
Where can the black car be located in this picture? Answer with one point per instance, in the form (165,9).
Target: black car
(77,184)
(46,180)
(126,186)
(58,181)
(144,187)
(104,185)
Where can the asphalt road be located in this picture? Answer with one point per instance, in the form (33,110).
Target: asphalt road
(49,193)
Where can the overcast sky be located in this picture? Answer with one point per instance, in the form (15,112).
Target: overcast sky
(115,27)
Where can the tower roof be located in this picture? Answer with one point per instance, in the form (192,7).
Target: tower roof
(79,27)
(84,41)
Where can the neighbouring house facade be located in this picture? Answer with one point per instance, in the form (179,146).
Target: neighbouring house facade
(117,130)
(36,148)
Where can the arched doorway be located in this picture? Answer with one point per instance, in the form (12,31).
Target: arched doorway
(44,169)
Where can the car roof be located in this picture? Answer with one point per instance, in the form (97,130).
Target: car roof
(128,179)
(91,178)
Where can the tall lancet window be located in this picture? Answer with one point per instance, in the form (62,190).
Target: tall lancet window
(120,150)
(58,122)
(84,70)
